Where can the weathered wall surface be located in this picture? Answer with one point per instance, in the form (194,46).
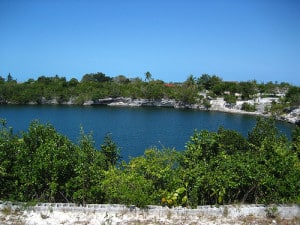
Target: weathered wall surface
(59,213)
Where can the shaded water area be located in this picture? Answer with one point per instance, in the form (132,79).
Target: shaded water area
(133,129)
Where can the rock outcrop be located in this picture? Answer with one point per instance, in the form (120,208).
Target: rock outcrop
(121,101)
(292,116)
(218,104)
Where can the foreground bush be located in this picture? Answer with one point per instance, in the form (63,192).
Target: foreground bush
(215,168)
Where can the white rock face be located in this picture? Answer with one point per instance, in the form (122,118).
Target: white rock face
(293,116)
(218,104)
(90,102)
(119,214)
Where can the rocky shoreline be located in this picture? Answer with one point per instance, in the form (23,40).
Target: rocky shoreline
(219,104)
(292,116)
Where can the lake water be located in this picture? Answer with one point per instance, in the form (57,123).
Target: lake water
(133,129)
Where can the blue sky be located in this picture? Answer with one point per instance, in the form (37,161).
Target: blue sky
(236,40)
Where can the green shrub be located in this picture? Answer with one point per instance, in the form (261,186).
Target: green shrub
(248,107)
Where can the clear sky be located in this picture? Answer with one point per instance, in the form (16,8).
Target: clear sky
(237,40)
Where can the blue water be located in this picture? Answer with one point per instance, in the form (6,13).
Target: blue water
(133,129)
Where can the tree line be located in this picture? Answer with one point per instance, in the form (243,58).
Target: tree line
(94,86)
(221,167)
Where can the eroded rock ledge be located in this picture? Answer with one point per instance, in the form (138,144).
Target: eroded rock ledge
(291,116)
(218,104)
(130,102)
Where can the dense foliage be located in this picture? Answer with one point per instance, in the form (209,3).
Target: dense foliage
(215,168)
(94,86)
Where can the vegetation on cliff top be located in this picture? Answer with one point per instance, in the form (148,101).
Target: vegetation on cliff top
(219,167)
(95,86)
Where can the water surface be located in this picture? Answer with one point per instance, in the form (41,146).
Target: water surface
(133,129)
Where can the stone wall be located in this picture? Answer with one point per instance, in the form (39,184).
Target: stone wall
(67,213)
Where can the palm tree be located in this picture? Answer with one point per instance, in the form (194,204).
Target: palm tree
(148,76)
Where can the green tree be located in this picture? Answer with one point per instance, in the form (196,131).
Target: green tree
(230,99)
(160,167)
(10,78)
(204,82)
(206,103)
(2,80)
(277,109)
(208,82)
(110,152)
(85,186)
(224,167)
(122,79)
(296,141)
(44,165)
(44,80)
(219,88)
(126,187)
(73,82)
(248,107)
(95,77)
(9,147)
(154,90)
(190,81)
(265,130)
(148,76)
(248,89)
(231,141)
(232,87)
(293,96)
(188,92)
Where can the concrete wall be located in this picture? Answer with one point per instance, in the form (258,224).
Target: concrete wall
(283,211)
